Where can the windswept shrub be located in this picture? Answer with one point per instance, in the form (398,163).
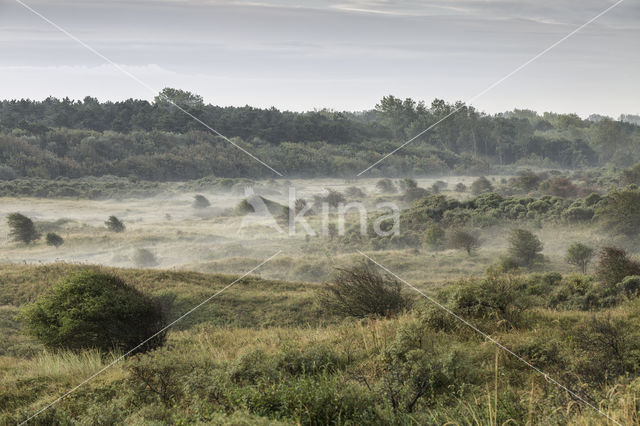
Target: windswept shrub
(94,310)
(114,224)
(361,291)
(21,228)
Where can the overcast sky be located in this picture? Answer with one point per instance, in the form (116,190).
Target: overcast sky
(343,54)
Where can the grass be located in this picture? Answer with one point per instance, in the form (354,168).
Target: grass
(263,352)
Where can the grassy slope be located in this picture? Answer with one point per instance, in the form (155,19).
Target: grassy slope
(280,321)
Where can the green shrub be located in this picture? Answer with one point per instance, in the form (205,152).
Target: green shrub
(610,347)
(614,266)
(361,291)
(579,214)
(630,286)
(310,360)
(620,211)
(481,185)
(94,310)
(157,375)
(524,247)
(312,400)
(434,237)
(495,297)
(579,255)
(416,370)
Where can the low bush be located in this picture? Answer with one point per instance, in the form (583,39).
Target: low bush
(361,291)
(94,310)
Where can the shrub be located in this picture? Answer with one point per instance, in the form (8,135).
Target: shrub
(360,291)
(412,194)
(434,237)
(620,212)
(407,183)
(200,202)
(94,310)
(354,192)
(157,375)
(54,239)
(524,247)
(21,228)
(416,370)
(460,187)
(332,197)
(528,180)
(386,186)
(460,239)
(144,258)
(481,185)
(614,266)
(309,360)
(560,187)
(579,214)
(114,224)
(579,255)
(630,286)
(495,297)
(7,173)
(610,346)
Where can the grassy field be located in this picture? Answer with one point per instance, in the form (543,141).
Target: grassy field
(265,352)
(269,350)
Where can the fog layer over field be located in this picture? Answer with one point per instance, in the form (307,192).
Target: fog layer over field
(219,238)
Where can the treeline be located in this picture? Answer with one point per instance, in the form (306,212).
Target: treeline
(156,141)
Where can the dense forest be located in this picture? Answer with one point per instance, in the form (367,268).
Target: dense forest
(157,141)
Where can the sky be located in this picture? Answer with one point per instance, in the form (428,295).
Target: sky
(342,55)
